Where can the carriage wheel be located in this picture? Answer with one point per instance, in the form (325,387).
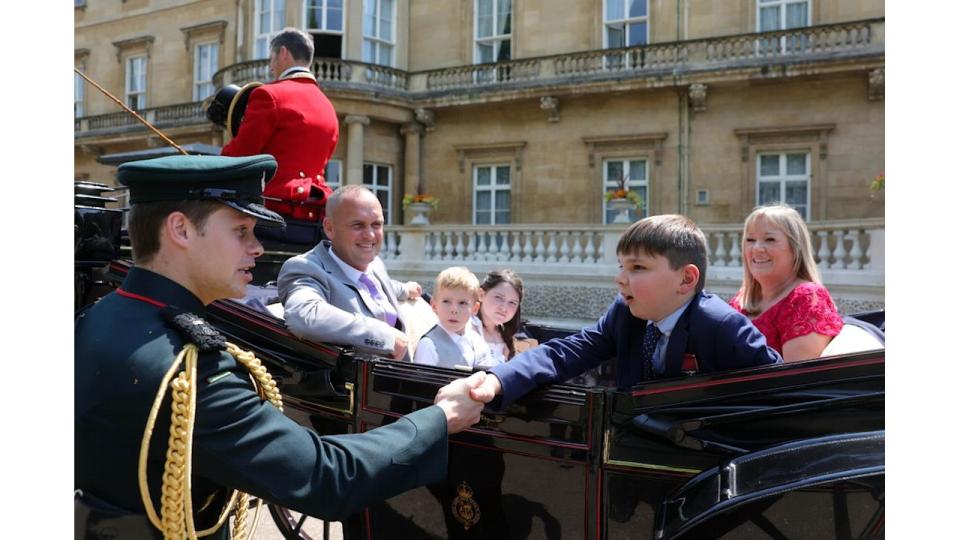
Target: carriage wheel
(297,526)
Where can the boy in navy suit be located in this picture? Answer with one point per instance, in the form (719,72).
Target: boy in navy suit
(661,325)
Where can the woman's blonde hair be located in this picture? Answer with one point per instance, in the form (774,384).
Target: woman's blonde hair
(788,220)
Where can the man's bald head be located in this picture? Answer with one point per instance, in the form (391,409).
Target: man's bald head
(354,225)
(351,191)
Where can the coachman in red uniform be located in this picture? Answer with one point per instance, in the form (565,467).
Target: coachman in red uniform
(292,120)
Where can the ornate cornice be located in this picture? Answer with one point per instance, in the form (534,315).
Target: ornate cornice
(640,140)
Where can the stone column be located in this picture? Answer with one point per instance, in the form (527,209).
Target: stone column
(412,132)
(354,172)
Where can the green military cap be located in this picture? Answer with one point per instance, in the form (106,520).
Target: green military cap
(235,181)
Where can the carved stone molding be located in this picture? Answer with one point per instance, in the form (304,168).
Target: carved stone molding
(426,117)
(495,149)
(127,44)
(356,119)
(192,32)
(552,105)
(80,57)
(411,127)
(627,142)
(876,85)
(698,97)
(817,133)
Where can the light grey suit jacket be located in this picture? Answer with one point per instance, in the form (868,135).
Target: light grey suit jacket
(320,303)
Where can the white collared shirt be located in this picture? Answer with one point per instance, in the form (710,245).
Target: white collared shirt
(293,69)
(474,351)
(665,326)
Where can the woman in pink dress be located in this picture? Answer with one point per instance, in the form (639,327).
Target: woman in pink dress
(781,291)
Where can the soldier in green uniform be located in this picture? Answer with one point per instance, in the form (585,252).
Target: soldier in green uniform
(191,227)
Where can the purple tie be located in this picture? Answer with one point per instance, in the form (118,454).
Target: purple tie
(389,314)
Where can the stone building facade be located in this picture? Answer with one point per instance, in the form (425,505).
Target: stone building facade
(521,112)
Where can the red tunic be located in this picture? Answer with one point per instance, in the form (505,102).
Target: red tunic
(292,120)
(807,309)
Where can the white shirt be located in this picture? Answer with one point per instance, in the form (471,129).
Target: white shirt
(473,349)
(497,352)
(665,325)
(354,275)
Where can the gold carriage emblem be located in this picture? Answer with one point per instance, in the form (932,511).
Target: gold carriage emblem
(464,508)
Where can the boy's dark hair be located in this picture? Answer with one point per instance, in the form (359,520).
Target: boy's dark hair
(298,42)
(147,218)
(673,236)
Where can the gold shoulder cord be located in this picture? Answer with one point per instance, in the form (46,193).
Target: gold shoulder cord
(176,506)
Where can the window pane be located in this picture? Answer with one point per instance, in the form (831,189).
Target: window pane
(386,20)
(503,217)
(369,52)
(796,193)
(769,192)
(638,170)
(769,18)
(638,8)
(614,171)
(796,164)
(385,55)
(483,201)
(383,176)
(503,54)
(369,17)
(335,18)
(502,201)
(483,176)
(484,18)
(615,37)
(368,174)
(503,176)
(484,53)
(503,17)
(614,10)
(331,174)
(638,34)
(642,192)
(796,15)
(769,165)
(483,217)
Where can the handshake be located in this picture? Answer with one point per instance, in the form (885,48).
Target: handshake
(462,400)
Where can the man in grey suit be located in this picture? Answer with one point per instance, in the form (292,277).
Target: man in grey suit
(339,292)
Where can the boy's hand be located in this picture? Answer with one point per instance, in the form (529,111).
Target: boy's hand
(461,411)
(487,390)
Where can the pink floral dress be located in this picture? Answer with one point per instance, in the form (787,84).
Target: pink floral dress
(807,309)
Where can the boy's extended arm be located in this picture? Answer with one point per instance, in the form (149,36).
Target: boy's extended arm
(745,344)
(558,359)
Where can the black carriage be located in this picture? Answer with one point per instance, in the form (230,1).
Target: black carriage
(786,451)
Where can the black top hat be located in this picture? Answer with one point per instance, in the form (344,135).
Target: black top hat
(228,105)
(235,181)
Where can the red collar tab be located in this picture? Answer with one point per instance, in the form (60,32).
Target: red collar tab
(690,365)
(150,301)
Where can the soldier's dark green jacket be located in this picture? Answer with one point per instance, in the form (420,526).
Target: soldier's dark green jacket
(123,349)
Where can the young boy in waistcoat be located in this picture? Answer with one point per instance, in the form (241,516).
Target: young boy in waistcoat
(452,342)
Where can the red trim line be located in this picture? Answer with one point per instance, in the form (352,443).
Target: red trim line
(134,296)
(777,374)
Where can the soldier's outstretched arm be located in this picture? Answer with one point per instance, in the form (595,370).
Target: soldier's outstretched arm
(245,443)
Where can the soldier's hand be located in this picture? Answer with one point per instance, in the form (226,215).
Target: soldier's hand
(487,390)
(454,398)
(400,343)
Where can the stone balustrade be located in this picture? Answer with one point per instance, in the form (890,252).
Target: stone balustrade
(579,261)
(177,114)
(333,70)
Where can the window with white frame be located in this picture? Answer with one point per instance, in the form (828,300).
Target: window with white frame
(378,31)
(633,173)
(625,23)
(784,178)
(331,173)
(77,95)
(268,20)
(205,63)
(493,27)
(782,15)
(135,89)
(491,194)
(323,19)
(379,178)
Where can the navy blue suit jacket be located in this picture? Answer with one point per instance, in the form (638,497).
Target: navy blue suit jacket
(717,335)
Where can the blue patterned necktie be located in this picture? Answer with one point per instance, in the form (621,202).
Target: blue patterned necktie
(389,314)
(650,339)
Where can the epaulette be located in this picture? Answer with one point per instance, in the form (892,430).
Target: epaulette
(195,329)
